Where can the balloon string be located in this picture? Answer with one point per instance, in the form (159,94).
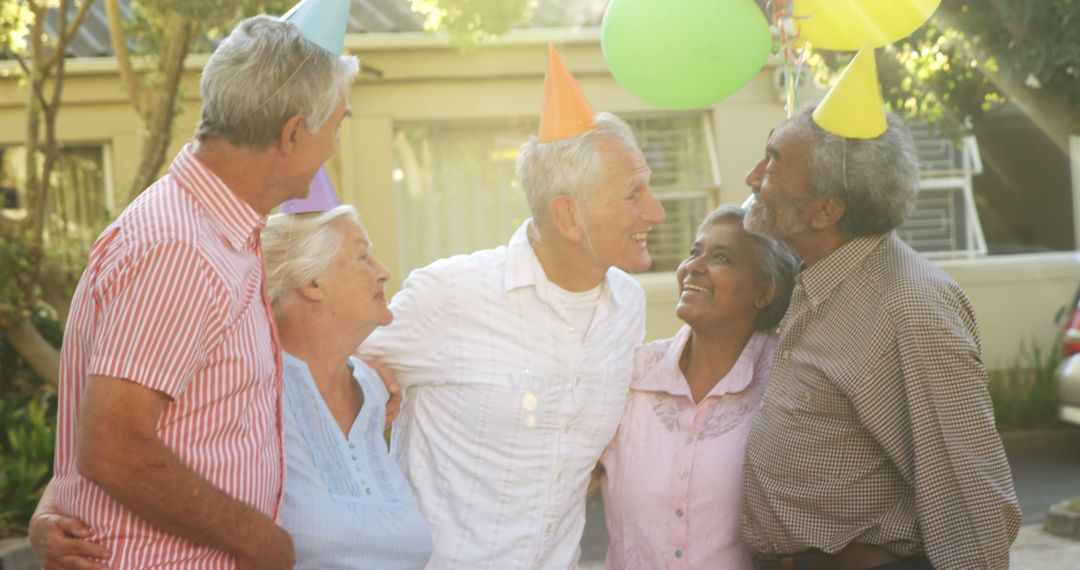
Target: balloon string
(793,56)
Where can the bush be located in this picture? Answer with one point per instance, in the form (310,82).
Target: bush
(1024,395)
(26,449)
(18,380)
(27,429)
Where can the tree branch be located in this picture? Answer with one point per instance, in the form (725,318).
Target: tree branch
(34,86)
(123,56)
(68,32)
(43,357)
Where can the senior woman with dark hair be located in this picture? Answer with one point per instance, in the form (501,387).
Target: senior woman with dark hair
(672,475)
(346,502)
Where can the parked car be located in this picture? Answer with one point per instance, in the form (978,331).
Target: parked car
(1067,374)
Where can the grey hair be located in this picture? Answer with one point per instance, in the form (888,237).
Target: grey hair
(777,264)
(876,178)
(567,167)
(263,74)
(299,247)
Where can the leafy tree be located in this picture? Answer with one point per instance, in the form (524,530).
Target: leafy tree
(972,57)
(26,269)
(164,32)
(470,22)
(36,280)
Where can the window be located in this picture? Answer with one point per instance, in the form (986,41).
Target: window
(943,222)
(80,203)
(456,190)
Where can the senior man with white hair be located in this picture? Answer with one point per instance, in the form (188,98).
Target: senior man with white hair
(169,441)
(516,361)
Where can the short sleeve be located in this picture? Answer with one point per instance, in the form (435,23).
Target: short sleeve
(155,318)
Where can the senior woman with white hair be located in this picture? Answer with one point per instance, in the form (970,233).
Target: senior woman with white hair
(346,503)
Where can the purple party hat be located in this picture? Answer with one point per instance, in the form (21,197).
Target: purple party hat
(320,199)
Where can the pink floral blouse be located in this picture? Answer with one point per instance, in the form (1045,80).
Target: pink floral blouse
(674,470)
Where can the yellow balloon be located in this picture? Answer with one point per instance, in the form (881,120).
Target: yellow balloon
(847,25)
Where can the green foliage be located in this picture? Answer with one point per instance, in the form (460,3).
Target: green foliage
(470,22)
(1023,394)
(972,57)
(15,277)
(14,22)
(18,380)
(215,20)
(27,436)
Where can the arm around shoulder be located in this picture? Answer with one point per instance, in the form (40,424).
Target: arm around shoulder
(412,342)
(117,448)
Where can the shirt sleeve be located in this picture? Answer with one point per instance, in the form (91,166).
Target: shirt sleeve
(964,499)
(413,344)
(156,316)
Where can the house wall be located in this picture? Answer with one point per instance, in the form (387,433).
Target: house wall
(410,77)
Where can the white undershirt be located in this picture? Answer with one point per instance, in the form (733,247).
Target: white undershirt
(579,308)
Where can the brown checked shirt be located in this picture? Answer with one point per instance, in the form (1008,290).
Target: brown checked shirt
(876,427)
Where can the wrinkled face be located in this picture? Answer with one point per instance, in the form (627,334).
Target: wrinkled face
(720,281)
(621,210)
(779,182)
(353,283)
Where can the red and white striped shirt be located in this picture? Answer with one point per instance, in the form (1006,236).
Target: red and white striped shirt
(174,299)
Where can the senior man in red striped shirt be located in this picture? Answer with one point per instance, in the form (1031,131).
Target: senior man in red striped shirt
(169,441)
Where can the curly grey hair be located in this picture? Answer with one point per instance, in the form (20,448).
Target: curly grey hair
(567,167)
(264,73)
(777,264)
(876,178)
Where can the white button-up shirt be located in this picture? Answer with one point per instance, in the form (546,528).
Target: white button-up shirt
(500,430)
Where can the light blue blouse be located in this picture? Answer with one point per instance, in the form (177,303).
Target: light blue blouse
(346,504)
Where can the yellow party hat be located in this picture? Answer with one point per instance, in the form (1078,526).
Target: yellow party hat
(566,111)
(853,108)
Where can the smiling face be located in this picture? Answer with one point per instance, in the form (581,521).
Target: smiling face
(622,210)
(720,281)
(353,284)
(779,181)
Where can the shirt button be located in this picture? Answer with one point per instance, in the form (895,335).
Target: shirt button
(678,513)
(566,428)
(683,473)
(558,478)
(689,439)
(550,528)
(678,554)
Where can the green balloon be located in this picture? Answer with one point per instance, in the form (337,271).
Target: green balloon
(684,54)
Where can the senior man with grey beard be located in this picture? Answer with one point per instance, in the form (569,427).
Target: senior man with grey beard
(875,444)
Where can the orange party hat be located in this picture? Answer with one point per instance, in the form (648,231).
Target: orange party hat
(566,111)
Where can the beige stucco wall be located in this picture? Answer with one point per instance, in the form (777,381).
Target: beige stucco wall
(423,79)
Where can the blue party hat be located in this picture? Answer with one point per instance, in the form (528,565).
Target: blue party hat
(322,22)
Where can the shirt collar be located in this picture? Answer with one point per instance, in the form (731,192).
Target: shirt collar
(523,269)
(666,375)
(238,221)
(821,278)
